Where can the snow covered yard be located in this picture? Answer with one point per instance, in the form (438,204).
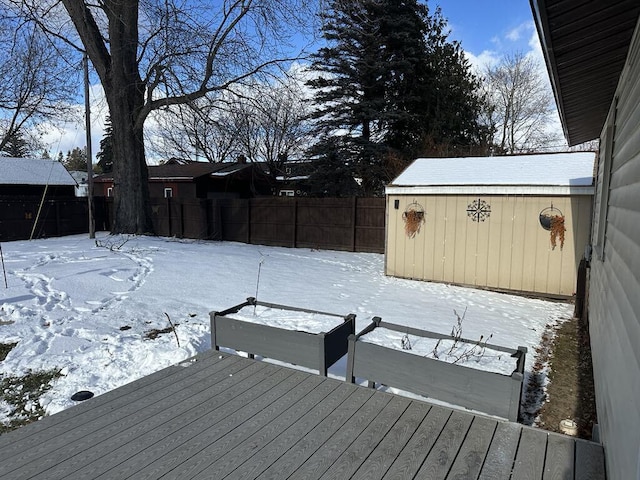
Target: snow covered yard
(89,308)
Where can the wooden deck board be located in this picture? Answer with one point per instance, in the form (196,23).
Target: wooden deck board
(589,461)
(128,394)
(270,452)
(329,452)
(530,456)
(474,449)
(266,431)
(444,452)
(351,459)
(407,464)
(559,463)
(224,416)
(502,452)
(307,446)
(381,459)
(177,441)
(165,426)
(94,437)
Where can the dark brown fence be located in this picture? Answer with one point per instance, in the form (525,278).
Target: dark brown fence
(351,224)
(19,218)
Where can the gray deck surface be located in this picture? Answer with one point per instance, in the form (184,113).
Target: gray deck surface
(222,416)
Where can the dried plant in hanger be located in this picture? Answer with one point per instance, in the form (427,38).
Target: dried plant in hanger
(413,218)
(557,231)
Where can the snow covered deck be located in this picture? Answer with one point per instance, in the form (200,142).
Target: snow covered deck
(223,416)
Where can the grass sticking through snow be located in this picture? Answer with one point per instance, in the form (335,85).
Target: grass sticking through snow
(5,348)
(21,397)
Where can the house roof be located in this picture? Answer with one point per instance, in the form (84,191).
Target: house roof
(33,171)
(186,172)
(585,45)
(550,173)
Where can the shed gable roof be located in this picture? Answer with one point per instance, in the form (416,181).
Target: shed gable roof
(33,171)
(542,173)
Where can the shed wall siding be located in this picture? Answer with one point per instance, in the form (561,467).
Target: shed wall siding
(614,310)
(509,250)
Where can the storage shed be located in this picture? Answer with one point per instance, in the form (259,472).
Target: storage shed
(517,223)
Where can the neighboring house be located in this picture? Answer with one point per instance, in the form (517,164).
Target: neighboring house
(31,176)
(293,179)
(592,50)
(82,187)
(188,180)
(487,221)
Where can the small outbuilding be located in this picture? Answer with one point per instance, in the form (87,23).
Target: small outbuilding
(515,223)
(32,176)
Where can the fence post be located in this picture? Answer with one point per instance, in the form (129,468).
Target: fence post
(249,221)
(354,211)
(295,222)
(169,215)
(58,228)
(181,213)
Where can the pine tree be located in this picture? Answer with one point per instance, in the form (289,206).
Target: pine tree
(16,146)
(392,85)
(76,160)
(105,154)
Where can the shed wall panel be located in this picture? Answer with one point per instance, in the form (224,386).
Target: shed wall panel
(614,303)
(508,250)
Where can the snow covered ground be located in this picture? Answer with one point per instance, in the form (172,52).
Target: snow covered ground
(85,307)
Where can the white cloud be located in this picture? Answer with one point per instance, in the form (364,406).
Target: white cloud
(63,137)
(479,63)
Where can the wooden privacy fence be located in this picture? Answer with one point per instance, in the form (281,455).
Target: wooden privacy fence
(58,217)
(351,224)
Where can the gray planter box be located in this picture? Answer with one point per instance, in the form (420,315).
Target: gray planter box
(312,350)
(488,392)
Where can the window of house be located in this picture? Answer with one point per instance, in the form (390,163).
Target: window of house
(109,191)
(287,193)
(168,192)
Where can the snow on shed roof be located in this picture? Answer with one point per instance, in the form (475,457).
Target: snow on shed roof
(33,171)
(552,173)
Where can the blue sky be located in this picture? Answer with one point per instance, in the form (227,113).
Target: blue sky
(487,29)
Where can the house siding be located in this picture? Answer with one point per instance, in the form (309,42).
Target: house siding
(614,299)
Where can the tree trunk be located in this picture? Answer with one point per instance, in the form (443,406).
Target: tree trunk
(132,211)
(117,67)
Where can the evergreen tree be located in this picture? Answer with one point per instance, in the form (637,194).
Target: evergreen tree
(16,146)
(391,84)
(105,154)
(332,176)
(76,160)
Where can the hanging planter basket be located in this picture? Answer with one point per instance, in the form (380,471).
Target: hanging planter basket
(552,220)
(413,217)
(547,214)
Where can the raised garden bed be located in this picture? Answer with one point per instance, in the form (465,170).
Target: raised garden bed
(308,338)
(464,383)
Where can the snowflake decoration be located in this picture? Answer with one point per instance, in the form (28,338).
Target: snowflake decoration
(478,210)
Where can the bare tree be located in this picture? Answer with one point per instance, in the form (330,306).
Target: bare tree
(272,124)
(194,130)
(265,122)
(521,105)
(152,54)
(35,85)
